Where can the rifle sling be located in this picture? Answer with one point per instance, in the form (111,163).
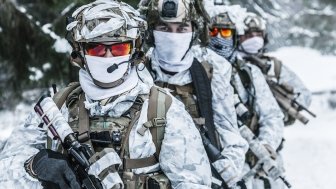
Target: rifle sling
(203,93)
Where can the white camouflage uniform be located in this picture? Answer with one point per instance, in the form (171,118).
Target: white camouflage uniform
(270,119)
(233,146)
(182,157)
(270,115)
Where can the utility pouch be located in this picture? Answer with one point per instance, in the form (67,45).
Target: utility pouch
(158,181)
(145,181)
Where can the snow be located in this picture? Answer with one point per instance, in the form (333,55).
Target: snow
(46,66)
(61,45)
(310,150)
(68,8)
(46,29)
(299,30)
(10,119)
(22,9)
(36,74)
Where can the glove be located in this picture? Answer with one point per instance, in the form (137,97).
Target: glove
(53,170)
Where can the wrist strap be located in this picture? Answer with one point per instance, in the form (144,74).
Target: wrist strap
(28,165)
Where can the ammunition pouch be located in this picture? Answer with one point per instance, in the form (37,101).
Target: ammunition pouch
(146,181)
(158,181)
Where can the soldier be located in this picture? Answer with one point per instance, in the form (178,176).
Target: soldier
(252,49)
(109,107)
(204,88)
(251,89)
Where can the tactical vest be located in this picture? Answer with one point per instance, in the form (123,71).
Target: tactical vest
(106,132)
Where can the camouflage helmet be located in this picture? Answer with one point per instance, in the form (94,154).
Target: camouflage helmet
(106,21)
(222,20)
(157,11)
(253,22)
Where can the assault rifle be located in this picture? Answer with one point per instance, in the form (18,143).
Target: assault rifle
(288,103)
(283,93)
(78,154)
(265,161)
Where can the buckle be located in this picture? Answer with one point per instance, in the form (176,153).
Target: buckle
(159,122)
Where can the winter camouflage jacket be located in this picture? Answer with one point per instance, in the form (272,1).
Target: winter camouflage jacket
(182,157)
(233,146)
(270,116)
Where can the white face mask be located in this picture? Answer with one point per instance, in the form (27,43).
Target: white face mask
(170,48)
(100,67)
(253,45)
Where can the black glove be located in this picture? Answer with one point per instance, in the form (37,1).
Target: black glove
(53,170)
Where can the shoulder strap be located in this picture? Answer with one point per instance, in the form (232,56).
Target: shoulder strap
(208,69)
(277,68)
(245,75)
(203,92)
(83,119)
(61,96)
(158,105)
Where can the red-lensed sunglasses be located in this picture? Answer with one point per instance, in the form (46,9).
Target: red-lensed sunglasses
(98,49)
(224,32)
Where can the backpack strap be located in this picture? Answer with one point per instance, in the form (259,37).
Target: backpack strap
(158,106)
(277,68)
(135,163)
(61,96)
(202,86)
(83,120)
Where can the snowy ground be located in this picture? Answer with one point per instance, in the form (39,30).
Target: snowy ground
(310,150)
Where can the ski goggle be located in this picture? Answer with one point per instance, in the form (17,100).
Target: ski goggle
(99,49)
(224,32)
